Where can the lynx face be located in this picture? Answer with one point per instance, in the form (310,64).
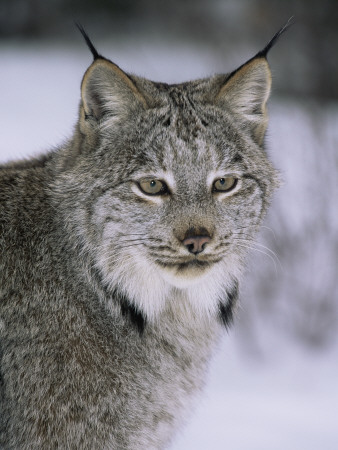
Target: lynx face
(181,181)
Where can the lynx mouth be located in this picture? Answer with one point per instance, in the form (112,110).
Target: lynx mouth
(192,263)
(183,274)
(195,263)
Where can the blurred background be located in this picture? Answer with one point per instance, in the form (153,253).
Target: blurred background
(273,383)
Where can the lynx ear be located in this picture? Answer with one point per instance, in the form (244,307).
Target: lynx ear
(107,90)
(247,89)
(246,92)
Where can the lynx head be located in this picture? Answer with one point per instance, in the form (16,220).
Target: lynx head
(171,181)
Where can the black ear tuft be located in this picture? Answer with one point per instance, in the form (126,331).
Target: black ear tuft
(91,47)
(263,53)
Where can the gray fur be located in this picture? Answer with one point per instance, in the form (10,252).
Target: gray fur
(107,321)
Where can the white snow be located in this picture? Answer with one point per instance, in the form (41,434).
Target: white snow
(288,400)
(266,390)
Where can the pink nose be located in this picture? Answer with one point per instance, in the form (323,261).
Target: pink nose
(196,244)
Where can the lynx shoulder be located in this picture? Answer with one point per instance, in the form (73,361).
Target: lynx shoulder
(121,254)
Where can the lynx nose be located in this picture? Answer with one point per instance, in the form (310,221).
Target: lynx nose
(196,244)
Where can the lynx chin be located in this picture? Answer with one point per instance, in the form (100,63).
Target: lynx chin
(121,254)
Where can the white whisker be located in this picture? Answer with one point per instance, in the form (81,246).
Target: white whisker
(258,244)
(248,247)
(271,230)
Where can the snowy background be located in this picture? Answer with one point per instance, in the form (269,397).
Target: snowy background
(273,383)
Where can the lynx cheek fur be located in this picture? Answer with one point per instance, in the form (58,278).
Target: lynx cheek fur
(121,253)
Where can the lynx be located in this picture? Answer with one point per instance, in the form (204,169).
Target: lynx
(121,254)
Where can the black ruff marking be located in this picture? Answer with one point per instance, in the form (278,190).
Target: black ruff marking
(226,308)
(130,311)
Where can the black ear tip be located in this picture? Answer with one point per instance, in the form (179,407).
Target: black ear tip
(89,43)
(263,53)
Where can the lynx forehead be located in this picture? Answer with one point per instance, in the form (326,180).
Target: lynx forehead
(121,254)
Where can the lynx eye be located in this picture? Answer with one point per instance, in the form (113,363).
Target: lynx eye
(225,184)
(153,187)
